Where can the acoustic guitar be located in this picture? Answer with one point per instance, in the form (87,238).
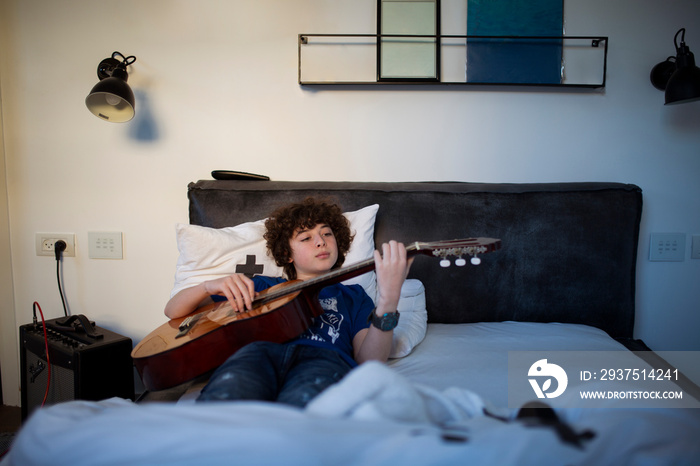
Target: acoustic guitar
(190,346)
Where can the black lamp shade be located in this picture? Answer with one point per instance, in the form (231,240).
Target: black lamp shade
(111,99)
(683,85)
(661,73)
(678,75)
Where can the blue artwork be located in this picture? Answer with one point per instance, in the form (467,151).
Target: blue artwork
(515,61)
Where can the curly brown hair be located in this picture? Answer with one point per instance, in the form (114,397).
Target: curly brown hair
(284,221)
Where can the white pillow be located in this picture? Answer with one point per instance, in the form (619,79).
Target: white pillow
(211,253)
(413,322)
(362,247)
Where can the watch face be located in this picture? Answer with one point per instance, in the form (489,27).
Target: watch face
(386,322)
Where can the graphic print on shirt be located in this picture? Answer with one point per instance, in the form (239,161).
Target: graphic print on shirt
(327,323)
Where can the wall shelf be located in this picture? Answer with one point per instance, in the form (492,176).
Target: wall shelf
(352,59)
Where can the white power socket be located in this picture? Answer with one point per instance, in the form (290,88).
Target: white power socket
(45,244)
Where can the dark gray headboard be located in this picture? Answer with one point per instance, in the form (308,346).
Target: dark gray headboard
(569,250)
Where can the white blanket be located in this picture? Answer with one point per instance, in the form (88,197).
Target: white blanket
(373,417)
(376,415)
(374,392)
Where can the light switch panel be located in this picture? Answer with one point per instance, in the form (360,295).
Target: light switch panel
(105,245)
(667,247)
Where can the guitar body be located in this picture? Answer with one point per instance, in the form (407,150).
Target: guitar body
(165,359)
(190,346)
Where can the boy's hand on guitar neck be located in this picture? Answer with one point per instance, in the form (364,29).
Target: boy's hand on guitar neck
(392,266)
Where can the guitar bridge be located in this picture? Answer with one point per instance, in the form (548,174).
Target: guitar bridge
(187,324)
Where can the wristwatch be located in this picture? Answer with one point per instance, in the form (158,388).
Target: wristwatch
(386,322)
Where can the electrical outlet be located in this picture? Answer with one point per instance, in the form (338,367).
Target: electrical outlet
(45,244)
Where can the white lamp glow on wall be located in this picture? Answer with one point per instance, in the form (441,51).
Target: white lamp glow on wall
(112,99)
(678,75)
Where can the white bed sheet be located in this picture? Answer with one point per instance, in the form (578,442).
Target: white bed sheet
(396,414)
(461,355)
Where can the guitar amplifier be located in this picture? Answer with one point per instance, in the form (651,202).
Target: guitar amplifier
(87,363)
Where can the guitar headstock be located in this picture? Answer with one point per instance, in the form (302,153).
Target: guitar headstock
(458,248)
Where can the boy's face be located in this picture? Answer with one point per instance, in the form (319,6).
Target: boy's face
(314,251)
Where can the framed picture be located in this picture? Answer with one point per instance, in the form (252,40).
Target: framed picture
(408,46)
(533,54)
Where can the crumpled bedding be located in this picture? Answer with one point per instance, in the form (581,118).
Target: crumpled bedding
(374,392)
(374,416)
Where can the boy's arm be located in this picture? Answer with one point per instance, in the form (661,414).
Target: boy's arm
(392,267)
(238,289)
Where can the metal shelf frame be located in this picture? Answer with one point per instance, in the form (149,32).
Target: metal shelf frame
(374,40)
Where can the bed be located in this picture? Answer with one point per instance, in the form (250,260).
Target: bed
(488,364)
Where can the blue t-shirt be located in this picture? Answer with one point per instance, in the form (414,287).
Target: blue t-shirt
(347,309)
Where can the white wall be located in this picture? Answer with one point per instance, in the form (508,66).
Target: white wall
(216,83)
(8,345)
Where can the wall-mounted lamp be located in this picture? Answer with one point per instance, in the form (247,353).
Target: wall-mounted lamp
(112,99)
(678,75)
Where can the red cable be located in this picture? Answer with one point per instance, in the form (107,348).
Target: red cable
(48,362)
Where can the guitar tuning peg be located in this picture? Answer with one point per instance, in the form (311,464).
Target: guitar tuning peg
(475,261)
(445,263)
(460,262)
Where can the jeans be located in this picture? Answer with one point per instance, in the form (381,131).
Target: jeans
(290,374)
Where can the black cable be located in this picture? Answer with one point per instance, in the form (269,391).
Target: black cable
(675,38)
(58,247)
(46,344)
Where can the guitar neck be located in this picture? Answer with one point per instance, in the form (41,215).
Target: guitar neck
(458,248)
(327,279)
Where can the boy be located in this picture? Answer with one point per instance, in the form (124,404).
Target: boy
(307,239)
